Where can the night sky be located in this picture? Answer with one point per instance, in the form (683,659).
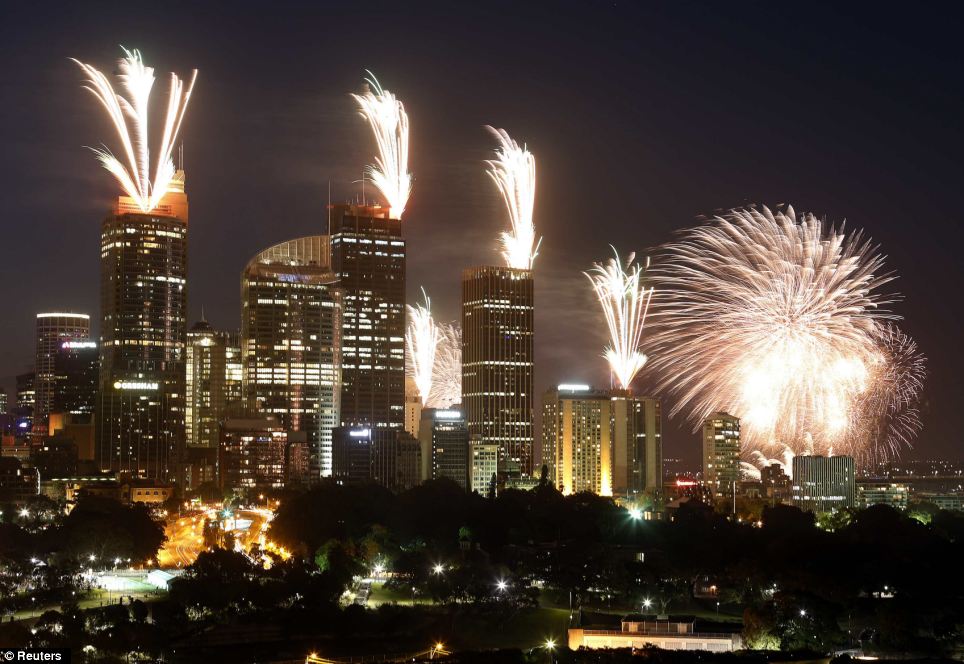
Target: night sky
(642,117)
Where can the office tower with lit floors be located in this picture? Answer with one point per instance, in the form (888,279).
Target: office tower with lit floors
(290,326)
(140,421)
(577,439)
(604,441)
(637,444)
(205,385)
(721,453)
(368,257)
(53,329)
(498,362)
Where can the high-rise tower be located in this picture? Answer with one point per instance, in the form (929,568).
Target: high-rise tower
(140,420)
(206,384)
(498,361)
(53,329)
(721,453)
(290,327)
(368,257)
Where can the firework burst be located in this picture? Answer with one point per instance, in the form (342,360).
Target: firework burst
(389,122)
(447,370)
(421,340)
(129,114)
(777,320)
(888,412)
(514,173)
(625,301)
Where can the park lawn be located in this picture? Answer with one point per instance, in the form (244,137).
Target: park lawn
(522,628)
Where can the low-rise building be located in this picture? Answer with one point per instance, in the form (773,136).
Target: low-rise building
(894,494)
(638,631)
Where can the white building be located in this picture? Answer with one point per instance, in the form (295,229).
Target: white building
(643,631)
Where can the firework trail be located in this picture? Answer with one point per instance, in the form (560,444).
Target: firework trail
(447,371)
(129,114)
(777,320)
(514,173)
(421,340)
(389,122)
(625,301)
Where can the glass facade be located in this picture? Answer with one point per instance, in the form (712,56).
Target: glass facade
(498,361)
(53,329)
(368,256)
(290,326)
(140,422)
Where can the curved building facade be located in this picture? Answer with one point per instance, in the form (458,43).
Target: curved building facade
(290,341)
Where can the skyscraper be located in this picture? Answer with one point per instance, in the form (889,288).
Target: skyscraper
(498,361)
(290,325)
(76,370)
(577,439)
(444,439)
(53,329)
(637,444)
(604,441)
(206,384)
(721,453)
(368,257)
(823,484)
(140,421)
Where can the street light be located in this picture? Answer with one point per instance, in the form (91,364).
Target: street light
(636,514)
(438,568)
(647,603)
(501,585)
(803,613)
(24,513)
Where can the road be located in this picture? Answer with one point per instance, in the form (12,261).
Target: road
(185,534)
(185,540)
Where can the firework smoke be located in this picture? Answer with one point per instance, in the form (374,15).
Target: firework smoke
(624,302)
(778,320)
(129,114)
(514,173)
(421,340)
(447,371)
(389,122)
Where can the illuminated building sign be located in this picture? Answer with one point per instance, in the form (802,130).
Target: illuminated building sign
(361,433)
(448,414)
(572,387)
(78,344)
(135,385)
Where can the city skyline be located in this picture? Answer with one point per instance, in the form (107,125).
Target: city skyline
(324,112)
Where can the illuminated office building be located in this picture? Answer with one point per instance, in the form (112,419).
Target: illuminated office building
(206,384)
(53,329)
(290,324)
(390,457)
(484,466)
(608,442)
(140,417)
(368,257)
(721,453)
(76,369)
(498,362)
(251,453)
(444,439)
(824,484)
(26,399)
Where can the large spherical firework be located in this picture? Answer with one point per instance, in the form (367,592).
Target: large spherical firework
(777,320)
